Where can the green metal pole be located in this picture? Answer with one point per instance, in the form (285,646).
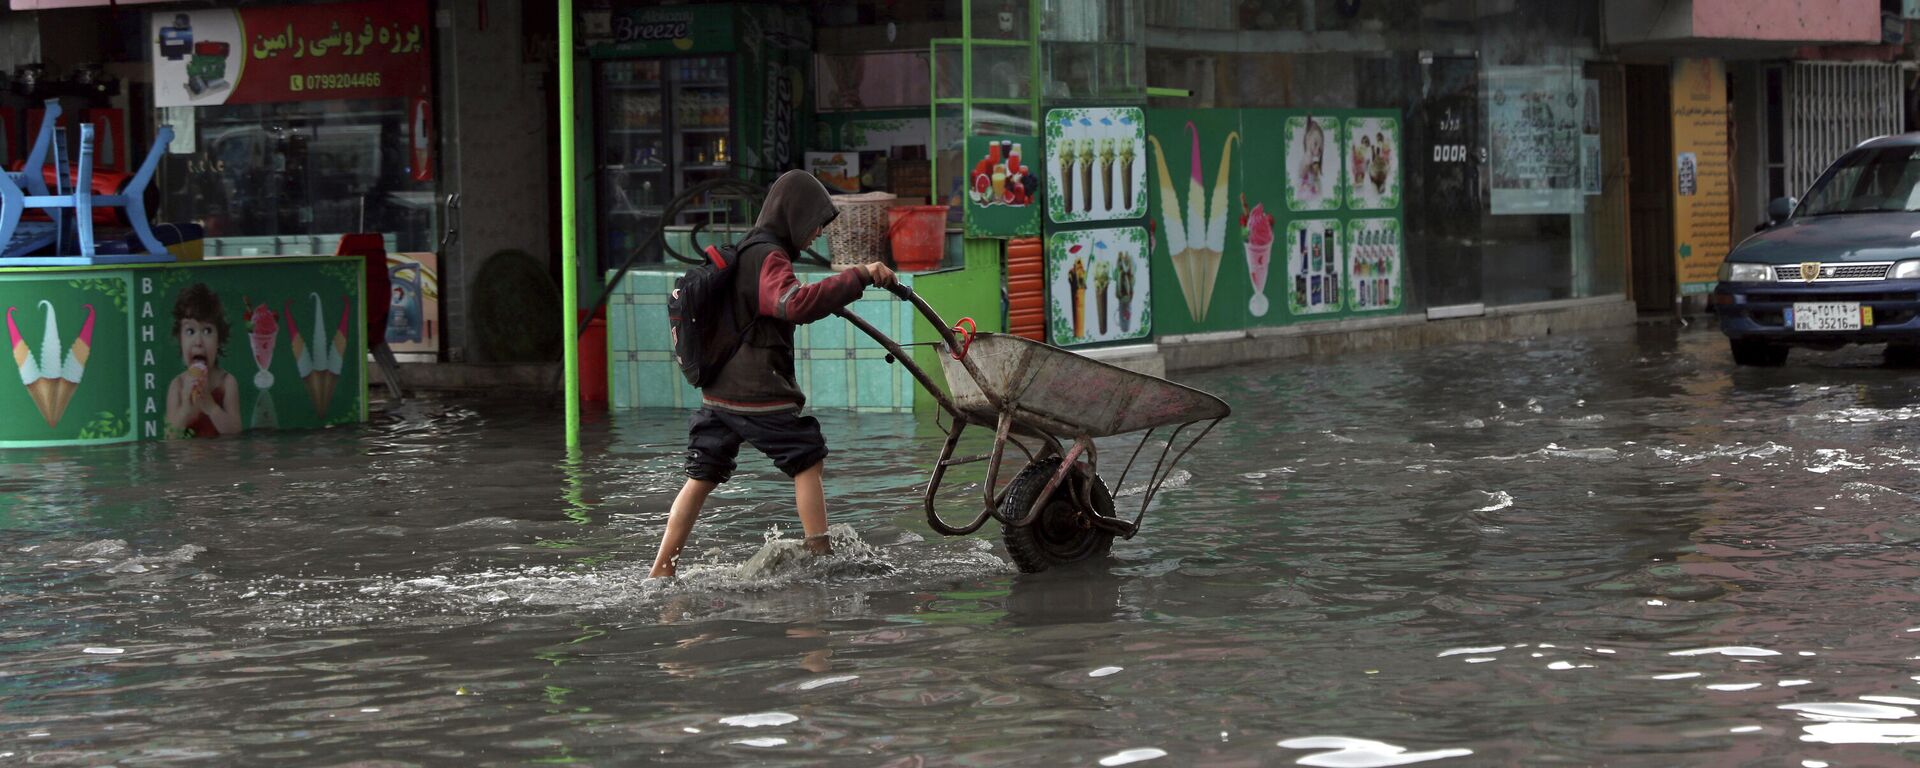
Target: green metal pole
(569,238)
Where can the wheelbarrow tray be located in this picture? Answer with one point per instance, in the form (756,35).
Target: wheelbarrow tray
(1051,390)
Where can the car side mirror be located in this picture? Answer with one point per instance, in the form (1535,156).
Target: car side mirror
(1781,209)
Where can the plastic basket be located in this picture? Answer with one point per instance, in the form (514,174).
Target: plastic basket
(859,235)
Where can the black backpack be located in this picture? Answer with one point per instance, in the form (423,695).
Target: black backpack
(700,316)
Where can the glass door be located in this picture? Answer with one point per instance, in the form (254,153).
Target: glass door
(1447,185)
(702,141)
(635,160)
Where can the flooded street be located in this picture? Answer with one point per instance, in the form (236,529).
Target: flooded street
(1606,548)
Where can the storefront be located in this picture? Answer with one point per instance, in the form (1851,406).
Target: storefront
(298,124)
(1291,163)
(263,136)
(1462,160)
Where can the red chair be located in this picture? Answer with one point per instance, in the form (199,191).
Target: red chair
(372,249)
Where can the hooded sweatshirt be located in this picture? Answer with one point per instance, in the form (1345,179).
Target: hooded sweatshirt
(760,377)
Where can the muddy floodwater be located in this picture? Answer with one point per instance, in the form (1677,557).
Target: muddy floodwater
(1610,548)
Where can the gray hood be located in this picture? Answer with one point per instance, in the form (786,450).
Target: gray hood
(796,204)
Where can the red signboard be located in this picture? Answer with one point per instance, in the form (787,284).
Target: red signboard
(363,50)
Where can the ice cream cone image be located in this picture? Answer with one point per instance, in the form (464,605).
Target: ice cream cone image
(1086,175)
(318,368)
(336,356)
(1106,173)
(1126,173)
(301,362)
(1066,174)
(263,330)
(40,373)
(1077,284)
(75,366)
(22,357)
(1257,228)
(1102,280)
(1196,242)
(52,376)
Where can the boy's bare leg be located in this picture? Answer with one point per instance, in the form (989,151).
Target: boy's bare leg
(686,509)
(811,499)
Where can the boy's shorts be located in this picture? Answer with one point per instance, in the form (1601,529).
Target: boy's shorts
(713,440)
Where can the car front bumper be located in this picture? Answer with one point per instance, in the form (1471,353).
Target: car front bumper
(1759,311)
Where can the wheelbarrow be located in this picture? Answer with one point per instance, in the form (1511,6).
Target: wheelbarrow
(1050,404)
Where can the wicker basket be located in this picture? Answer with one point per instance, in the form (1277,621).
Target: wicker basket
(859,235)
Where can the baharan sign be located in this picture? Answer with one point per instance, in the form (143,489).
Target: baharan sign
(364,50)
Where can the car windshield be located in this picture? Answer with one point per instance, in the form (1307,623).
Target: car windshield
(1870,181)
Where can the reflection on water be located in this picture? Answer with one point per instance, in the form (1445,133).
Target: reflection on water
(1606,548)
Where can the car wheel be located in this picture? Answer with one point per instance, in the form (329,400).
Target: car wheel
(1758,353)
(1902,356)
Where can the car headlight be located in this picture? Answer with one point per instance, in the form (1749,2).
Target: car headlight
(1905,270)
(1735,272)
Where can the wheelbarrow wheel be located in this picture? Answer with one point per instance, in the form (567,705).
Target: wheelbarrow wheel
(1063,534)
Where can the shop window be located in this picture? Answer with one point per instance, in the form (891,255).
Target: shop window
(301,169)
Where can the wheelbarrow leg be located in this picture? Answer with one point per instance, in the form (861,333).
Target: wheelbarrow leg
(993,498)
(933,488)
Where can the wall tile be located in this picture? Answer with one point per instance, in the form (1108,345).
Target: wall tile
(828,385)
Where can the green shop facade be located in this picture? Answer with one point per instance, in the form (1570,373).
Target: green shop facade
(1176,213)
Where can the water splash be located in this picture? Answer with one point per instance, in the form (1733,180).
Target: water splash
(1499,500)
(1363,753)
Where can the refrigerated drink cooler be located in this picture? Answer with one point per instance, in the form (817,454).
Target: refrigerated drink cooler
(721,100)
(664,125)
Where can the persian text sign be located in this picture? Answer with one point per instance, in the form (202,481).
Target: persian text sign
(1702,178)
(361,50)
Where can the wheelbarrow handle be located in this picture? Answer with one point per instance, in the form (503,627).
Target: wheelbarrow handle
(953,342)
(906,294)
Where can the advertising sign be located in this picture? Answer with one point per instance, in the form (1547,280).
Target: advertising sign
(413,311)
(1096,164)
(230,348)
(1534,119)
(1702,180)
(182,350)
(280,53)
(655,31)
(1003,187)
(69,336)
(1096,286)
(1237,244)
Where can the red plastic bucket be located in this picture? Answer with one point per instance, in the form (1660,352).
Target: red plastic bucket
(919,235)
(593,357)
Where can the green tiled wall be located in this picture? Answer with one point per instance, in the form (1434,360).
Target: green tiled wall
(837,365)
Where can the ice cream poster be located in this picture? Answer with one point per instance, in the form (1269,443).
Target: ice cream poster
(1373,163)
(1374,276)
(225,350)
(1098,286)
(1315,263)
(1095,164)
(1315,172)
(68,344)
(1196,233)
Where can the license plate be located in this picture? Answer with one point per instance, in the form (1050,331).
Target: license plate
(1831,316)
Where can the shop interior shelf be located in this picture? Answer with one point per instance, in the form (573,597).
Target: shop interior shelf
(707,167)
(704,129)
(636,168)
(704,84)
(634,130)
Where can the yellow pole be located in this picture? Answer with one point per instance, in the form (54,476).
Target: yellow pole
(569,239)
